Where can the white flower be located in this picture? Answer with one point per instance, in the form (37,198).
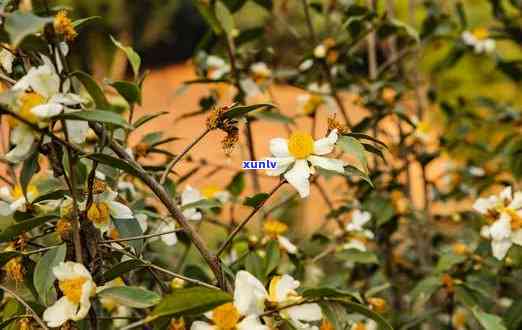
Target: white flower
(318,95)
(77,286)
(6,60)
(275,229)
(12,200)
(359,219)
(476,171)
(249,303)
(171,238)
(188,196)
(479,40)
(505,211)
(306,64)
(104,207)
(282,292)
(293,156)
(260,71)
(39,98)
(320,51)
(217,67)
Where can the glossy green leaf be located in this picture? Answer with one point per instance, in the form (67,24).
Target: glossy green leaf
(130,91)
(93,89)
(131,296)
(122,268)
(132,56)
(256,200)
(355,148)
(12,231)
(43,278)
(225,18)
(148,117)
(100,116)
(190,301)
(241,111)
(488,321)
(237,185)
(22,24)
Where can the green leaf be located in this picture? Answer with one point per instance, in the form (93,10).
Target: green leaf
(256,200)
(43,278)
(80,23)
(331,292)
(254,264)
(363,310)
(237,185)
(130,91)
(355,148)
(424,289)
(122,268)
(148,117)
(357,256)
(350,170)
(115,162)
(488,321)
(11,232)
(93,89)
(225,18)
(130,228)
(204,11)
(190,301)
(273,257)
(448,260)
(132,56)
(99,116)
(381,209)
(203,204)
(56,194)
(513,316)
(131,296)
(20,25)
(29,168)
(241,111)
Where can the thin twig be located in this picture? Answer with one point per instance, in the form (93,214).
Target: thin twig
(173,163)
(133,238)
(17,297)
(236,230)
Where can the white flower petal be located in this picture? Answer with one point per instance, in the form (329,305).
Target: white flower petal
(77,130)
(325,145)
(330,164)
(251,322)
(192,214)
(68,270)
(119,210)
(279,147)
(282,164)
(200,325)
(47,110)
(506,193)
(6,60)
(190,195)
(249,294)
(305,312)
(5,209)
(283,287)
(356,245)
(85,303)
(286,244)
(23,138)
(59,313)
(482,205)
(500,248)
(298,177)
(501,228)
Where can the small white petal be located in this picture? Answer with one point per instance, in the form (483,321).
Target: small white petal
(330,164)
(200,325)
(119,210)
(47,110)
(305,312)
(279,147)
(282,288)
(282,164)
(6,60)
(59,313)
(286,244)
(325,145)
(249,294)
(23,138)
(77,130)
(501,228)
(500,248)
(298,177)
(190,195)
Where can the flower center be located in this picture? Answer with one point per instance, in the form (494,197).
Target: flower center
(18,193)
(99,213)
(27,102)
(359,326)
(72,288)
(63,25)
(516,220)
(481,33)
(226,317)
(209,191)
(301,145)
(274,228)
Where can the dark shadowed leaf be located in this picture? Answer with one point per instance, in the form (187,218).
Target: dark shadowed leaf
(131,296)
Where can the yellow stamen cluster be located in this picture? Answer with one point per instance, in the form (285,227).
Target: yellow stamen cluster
(377,304)
(460,249)
(301,145)
(63,26)
(230,140)
(448,282)
(72,288)
(215,119)
(480,33)
(177,283)
(274,228)
(99,187)
(177,324)
(63,228)
(99,213)
(25,324)
(359,326)
(26,103)
(15,270)
(516,220)
(334,124)
(226,317)
(210,191)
